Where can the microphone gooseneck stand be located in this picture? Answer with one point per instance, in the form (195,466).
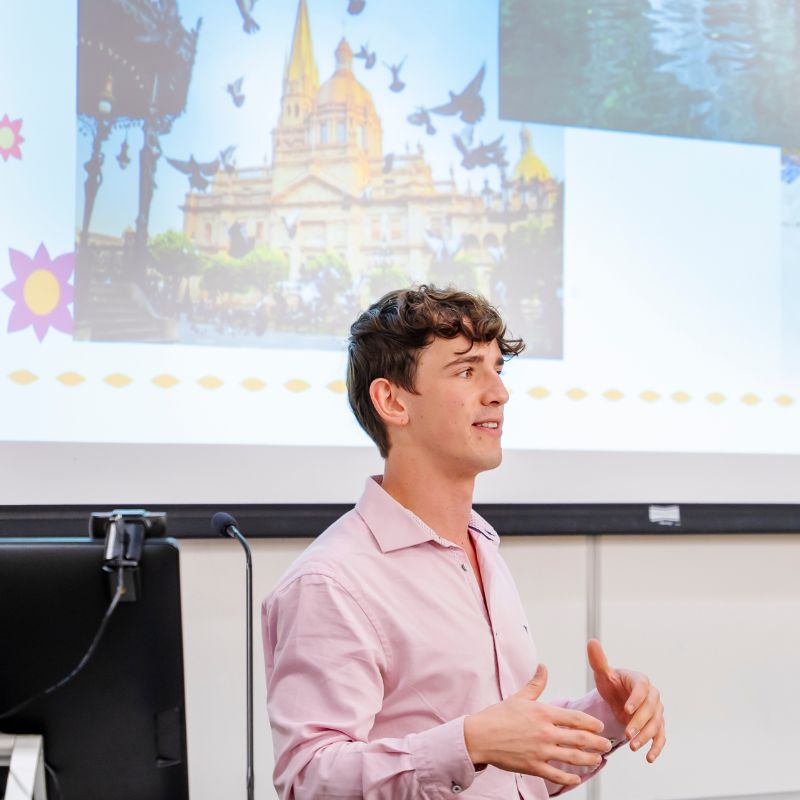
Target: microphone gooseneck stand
(225,525)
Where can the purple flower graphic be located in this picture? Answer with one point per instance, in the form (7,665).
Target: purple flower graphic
(10,139)
(41,291)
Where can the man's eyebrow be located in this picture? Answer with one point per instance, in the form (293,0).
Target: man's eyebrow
(475,359)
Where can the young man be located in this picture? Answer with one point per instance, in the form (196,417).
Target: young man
(397,651)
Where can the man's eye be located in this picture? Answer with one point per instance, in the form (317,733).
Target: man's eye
(466,373)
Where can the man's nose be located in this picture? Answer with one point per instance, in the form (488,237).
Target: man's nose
(497,394)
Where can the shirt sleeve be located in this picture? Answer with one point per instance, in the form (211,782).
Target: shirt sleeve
(325,663)
(595,706)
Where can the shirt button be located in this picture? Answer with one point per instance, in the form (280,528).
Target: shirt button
(464,567)
(456,788)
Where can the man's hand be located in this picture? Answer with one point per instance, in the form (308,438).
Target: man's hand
(636,703)
(523,735)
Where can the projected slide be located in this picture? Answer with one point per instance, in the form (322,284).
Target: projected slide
(198,196)
(260,201)
(714,69)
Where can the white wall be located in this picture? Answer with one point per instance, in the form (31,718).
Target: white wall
(714,620)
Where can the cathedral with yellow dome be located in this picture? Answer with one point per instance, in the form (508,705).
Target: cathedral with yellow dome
(330,188)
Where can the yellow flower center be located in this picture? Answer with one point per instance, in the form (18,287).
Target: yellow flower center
(42,292)
(6,138)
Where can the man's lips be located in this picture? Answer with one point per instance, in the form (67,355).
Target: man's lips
(493,426)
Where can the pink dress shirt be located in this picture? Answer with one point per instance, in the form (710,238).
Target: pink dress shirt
(378,643)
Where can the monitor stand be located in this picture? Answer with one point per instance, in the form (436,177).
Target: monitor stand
(24,758)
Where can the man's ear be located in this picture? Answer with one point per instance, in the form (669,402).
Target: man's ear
(388,401)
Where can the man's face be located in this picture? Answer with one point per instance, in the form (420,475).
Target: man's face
(456,419)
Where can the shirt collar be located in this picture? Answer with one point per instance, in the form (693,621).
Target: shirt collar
(395,527)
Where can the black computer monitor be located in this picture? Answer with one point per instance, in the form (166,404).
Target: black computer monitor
(118,728)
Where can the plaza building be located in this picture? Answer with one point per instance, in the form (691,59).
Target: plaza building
(330,188)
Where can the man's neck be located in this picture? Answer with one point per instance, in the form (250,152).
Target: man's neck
(441,502)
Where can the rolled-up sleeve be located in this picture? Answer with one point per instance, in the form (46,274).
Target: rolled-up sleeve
(325,660)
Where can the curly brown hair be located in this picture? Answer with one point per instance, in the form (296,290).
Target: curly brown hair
(386,341)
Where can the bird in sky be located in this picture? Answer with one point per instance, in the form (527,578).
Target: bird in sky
(246,10)
(369,57)
(123,159)
(196,171)
(468,103)
(422,117)
(226,159)
(235,91)
(396,85)
(290,222)
(356,6)
(444,249)
(484,155)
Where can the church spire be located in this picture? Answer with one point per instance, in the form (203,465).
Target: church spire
(300,75)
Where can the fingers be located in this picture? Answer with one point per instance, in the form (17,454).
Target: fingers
(579,758)
(658,743)
(653,729)
(537,683)
(580,740)
(649,731)
(568,718)
(551,773)
(645,709)
(638,695)
(597,657)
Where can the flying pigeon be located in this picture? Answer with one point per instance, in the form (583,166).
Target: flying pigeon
(422,117)
(235,91)
(396,85)
(468,104)
(369,58)
(226,159)
(196,171)
(484,155)
(245,9)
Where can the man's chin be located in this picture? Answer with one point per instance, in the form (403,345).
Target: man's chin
(491,462)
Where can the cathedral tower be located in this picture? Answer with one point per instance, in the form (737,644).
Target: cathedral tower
(300,87)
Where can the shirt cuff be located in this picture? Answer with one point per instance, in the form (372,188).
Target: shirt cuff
(594,705)
(441,759)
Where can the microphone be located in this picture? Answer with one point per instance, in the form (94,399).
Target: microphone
(224,524)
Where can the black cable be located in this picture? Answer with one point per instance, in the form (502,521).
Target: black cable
(54,779)
(87,655)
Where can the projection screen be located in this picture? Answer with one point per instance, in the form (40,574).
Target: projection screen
(198,197)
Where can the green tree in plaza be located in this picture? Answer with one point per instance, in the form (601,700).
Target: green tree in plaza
(385,277)
(333,297)
(329,271)
(175,258)
(264,267)
(174,255)
(225,275)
